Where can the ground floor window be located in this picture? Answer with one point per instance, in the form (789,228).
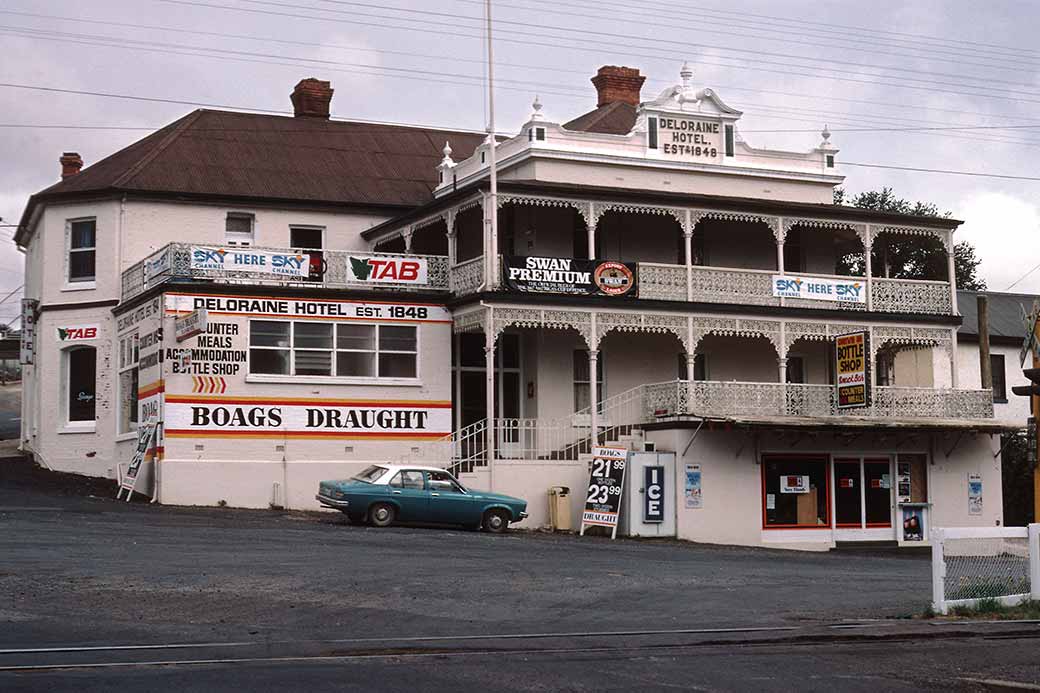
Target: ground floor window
(582,381)
(128,382)
(81,383)
(796,491)
(283,347)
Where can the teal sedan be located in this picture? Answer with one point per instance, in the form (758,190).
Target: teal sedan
(384,494)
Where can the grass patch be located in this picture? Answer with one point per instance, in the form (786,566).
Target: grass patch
(991,609)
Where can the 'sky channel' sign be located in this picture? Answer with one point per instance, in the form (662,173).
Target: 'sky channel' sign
(251,261)
(606,481)
(819,288)
(850,365)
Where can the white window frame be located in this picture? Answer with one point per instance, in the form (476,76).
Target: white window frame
(68,426)
(292,377)
(307,227)
(239,240)
(79,285)
(601,391)
(129,360)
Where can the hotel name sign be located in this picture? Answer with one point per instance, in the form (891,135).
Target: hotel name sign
(689,138)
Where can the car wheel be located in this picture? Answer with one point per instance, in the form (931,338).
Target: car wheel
(495,521)
(381,515)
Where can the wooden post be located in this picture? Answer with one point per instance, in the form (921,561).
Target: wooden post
(1035,409)
(984,363)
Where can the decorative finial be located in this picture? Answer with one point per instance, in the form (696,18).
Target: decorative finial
(686,73)
(826,133)
(447,160)
(536,105)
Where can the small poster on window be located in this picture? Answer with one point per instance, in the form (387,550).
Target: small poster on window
(694,499)
(913,524)
(794,483)
(974,494)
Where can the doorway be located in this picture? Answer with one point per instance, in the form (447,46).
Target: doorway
(469,386)
(863,491)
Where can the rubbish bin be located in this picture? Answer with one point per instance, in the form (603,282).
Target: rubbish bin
(560,508)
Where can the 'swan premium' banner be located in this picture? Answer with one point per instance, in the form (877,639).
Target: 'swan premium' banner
(198,416)
(564,275)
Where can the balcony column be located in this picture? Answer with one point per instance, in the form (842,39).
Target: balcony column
(452,254)
(688,254)
(489,394)
(780,236)
(781,366)
(407,236)
(954,377)
(593,384)
(868,251)
(951,269)
(590,226)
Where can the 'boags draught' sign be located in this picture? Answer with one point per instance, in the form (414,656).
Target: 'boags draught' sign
(851,372)
(606,482)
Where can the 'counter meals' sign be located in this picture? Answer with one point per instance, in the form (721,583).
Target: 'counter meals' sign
(850,362)
(819,288)
(198,416)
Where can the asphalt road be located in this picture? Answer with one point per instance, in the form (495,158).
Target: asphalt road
(303,601)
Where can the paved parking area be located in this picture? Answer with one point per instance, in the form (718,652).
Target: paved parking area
(77,569)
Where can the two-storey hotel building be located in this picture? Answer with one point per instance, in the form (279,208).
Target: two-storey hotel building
(286,300)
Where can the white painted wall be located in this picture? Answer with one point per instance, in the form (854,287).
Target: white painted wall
(1015,410)
(732,482)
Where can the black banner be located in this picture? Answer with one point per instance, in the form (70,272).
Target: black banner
(564,275)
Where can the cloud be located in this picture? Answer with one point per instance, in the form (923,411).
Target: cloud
(1005,231)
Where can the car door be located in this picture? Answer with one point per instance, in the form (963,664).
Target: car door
(408,491)
(449,503)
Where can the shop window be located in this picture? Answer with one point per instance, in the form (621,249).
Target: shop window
(128,382)
(81,384)
(348,350)
(238,229)
(582,383)
(82,246)
(996,365)
(795,492)
(306,237)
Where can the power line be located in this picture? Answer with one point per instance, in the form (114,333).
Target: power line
(946,171)
(613,47)
(1012,284)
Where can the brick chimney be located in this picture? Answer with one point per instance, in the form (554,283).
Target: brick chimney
(71,163)
(311,98)
(618,84)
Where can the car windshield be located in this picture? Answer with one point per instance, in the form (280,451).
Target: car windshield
(370,474)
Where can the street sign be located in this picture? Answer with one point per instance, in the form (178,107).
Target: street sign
(190,325)
(603,496)
(145,438)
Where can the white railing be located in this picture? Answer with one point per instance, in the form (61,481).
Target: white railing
(973,564)
(911,296)
(466,277)
(173,262)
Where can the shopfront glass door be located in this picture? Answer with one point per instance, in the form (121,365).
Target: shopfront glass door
(862,492)
(848,505)
(877,492)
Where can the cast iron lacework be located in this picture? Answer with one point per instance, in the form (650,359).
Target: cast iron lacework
(601,208)
(538,201)
(770,221)
(910,296)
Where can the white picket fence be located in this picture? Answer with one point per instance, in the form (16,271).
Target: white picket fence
(972,564)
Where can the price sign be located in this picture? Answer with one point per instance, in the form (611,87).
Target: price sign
(603,496)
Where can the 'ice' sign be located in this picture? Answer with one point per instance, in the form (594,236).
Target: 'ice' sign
(653,494)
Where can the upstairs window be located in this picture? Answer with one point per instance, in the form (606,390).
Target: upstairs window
(830,161)
(651,133)
(700,367)
(729,140)
(129,353)
(238,229)
(996,365)
(82,241)
(795,369)
(306,237)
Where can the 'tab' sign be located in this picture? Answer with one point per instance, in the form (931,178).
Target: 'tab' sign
(385,269)
(653,494)
(251,261)
(819,289)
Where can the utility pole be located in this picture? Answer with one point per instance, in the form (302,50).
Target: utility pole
(985,366)
(1031,347)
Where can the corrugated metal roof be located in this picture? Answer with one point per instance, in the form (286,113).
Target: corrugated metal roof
(617,118)
(1005,314)
(254,155)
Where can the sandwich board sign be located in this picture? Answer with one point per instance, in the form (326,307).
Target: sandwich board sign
(145,441)
(603,496)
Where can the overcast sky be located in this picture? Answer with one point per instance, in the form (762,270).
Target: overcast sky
(790,66)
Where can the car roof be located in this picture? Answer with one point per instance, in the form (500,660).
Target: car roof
(396,467)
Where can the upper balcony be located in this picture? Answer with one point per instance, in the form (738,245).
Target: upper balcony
(183,263)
